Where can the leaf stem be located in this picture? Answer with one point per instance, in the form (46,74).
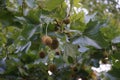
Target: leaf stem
(46,28)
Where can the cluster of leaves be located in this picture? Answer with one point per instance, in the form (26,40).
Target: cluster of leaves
(76,41)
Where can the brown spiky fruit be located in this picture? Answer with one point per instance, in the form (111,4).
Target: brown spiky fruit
(47,40)
(74,68)
(93,75)
(57,52)
(104,61)
(54,44)
(66,20)
(52,67)
(105,54)
(42,54)
(78,46)
(73,75)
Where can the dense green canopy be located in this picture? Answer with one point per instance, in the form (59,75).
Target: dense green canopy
(59,39)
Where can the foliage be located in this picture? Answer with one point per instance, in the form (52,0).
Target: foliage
(80,35)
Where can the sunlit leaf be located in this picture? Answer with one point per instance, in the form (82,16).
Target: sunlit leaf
(30,3)
(52,4)
(116,40)
(70,52)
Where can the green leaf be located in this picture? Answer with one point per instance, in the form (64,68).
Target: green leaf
(93,32)
(60,12)
(26,47)
(86,41)
(110,32)
(33,16)
(50,78)
(116,39)
(9,41)
(2,38)
(76,3)
(52,4)
(6,17)
(28,57)
(114,73)
(22,71)
(70,59)
(70,50)
(13,32)
(116,55)
(77,21)
(30,3)
(59,61)
(116,60)
(28,31)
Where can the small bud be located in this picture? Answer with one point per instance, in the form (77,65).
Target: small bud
(42,54)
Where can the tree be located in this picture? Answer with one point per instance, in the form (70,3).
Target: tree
(59,39)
